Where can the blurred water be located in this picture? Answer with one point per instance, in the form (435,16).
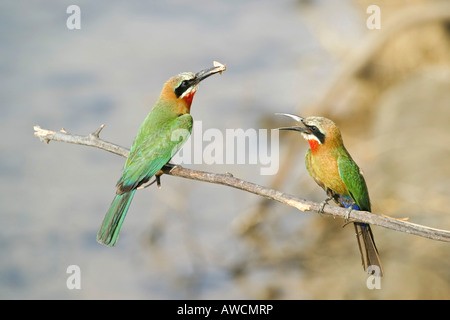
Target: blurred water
(176,242)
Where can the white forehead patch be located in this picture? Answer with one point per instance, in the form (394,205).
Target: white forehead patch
(187,75)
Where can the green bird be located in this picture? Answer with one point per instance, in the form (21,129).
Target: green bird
(161,135)
(331,166)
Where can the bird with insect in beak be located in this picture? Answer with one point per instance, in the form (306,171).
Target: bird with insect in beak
(331,166)
(161,135)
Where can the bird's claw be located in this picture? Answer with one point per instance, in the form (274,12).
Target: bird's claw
(158,181)
(143,186)
(171,166)
(324,203)
(174,167)
(347,214)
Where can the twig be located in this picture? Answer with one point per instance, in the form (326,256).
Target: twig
(93,140)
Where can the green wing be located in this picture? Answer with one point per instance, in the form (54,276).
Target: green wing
(354,181)
(154,145)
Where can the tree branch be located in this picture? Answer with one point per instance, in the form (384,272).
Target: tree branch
(229,180)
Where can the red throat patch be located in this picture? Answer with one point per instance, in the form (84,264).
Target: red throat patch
(189,97)
(313,143)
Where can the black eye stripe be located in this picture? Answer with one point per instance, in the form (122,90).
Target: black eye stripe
(184,85)
(316,132)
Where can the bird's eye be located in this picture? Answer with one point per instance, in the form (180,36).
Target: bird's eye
(182,87)
(317,133)
(183,84)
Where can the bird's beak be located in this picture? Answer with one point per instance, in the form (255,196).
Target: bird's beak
(202,75)
(295,128)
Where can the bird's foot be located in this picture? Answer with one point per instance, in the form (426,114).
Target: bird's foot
(347,214)
(158,175)
(158,180)
(146,185)
(171,166)
(324,203)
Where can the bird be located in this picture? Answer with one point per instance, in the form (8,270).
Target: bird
(160,136)
(330,165)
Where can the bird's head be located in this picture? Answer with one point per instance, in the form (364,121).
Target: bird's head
(318,131)
(183,86)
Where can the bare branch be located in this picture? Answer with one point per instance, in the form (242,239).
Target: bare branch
(91,140)
(229,180)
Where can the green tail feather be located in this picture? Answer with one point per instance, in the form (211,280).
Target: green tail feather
(109,231)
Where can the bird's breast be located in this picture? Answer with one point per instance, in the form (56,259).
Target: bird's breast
(325,169)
